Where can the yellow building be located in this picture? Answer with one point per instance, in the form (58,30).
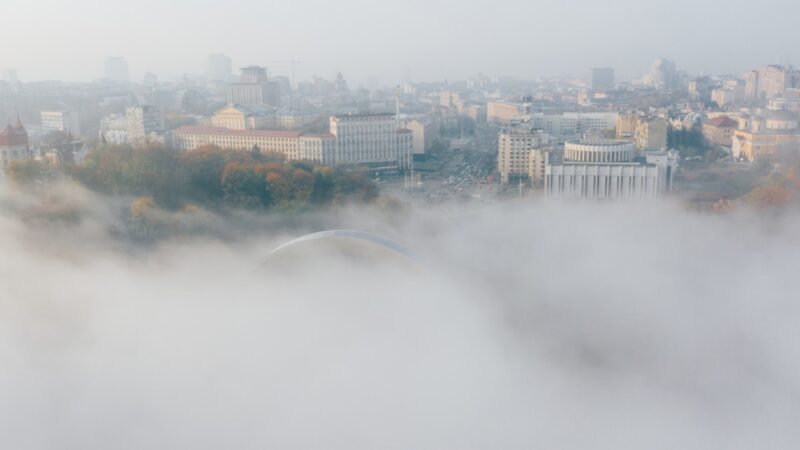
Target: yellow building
(761,137)
(719,130)
(626,125)
(191,137)
(515,146)
(502,113)
(238,117)
(651,132)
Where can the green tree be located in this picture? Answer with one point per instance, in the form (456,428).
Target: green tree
(245,186)
(27,172)
(204,169)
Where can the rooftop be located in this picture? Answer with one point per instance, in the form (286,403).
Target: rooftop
(203,130)
(723,122)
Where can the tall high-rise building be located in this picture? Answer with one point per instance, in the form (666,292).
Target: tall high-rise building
(601,79)
(514,147)
(700,89)
(117,70)
(663,76)
(143,121)
(219,68)
(255,88)
(773,80)
(751,86)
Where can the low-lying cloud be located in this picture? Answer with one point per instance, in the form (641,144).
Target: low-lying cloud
(528,325)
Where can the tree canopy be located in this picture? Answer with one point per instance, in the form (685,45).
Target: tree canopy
(216,178)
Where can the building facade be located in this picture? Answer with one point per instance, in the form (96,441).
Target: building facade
(607,170)
(238,117)
(14,146)
(503,113)
(663,76)
(651,133)
(371,139)
(363,139)
(724,97)
(599,151)
(566,126)
(720,130)
(188,138)
(515,146)
(66,122)
(254,88)
(114,129)
(425,131)
(766,136)
(143,123)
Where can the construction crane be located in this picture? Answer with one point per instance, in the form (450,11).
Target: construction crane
(294,67)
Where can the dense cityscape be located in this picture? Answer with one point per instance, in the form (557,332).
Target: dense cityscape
(709,140)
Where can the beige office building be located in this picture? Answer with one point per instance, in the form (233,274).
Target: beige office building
(515,146)
(371,139)
(626,125)
(354,139)
(292,144)
(503,113)
(651,133)
(255,88)
(425,131)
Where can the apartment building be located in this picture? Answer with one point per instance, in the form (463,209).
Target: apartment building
(515,145)
(62,121)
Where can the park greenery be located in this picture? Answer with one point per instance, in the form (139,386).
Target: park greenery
(208,177)
(168,193)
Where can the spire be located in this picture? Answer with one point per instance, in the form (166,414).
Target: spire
(18,125)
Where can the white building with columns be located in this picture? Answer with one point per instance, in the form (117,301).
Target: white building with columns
(609,170)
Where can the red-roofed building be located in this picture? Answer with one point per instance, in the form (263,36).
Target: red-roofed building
(719,130)
(13,145)
(371,139)
(293,144)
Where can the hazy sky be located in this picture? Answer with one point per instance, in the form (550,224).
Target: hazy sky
(418,39)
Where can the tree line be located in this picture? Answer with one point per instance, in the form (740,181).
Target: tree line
(210,177)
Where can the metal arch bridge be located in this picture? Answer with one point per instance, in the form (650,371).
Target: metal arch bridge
(351,235)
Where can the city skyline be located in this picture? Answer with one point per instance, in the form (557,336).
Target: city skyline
(440,44)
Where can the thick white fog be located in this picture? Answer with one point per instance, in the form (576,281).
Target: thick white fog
(530,325)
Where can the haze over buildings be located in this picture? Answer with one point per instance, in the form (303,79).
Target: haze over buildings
(569,37)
